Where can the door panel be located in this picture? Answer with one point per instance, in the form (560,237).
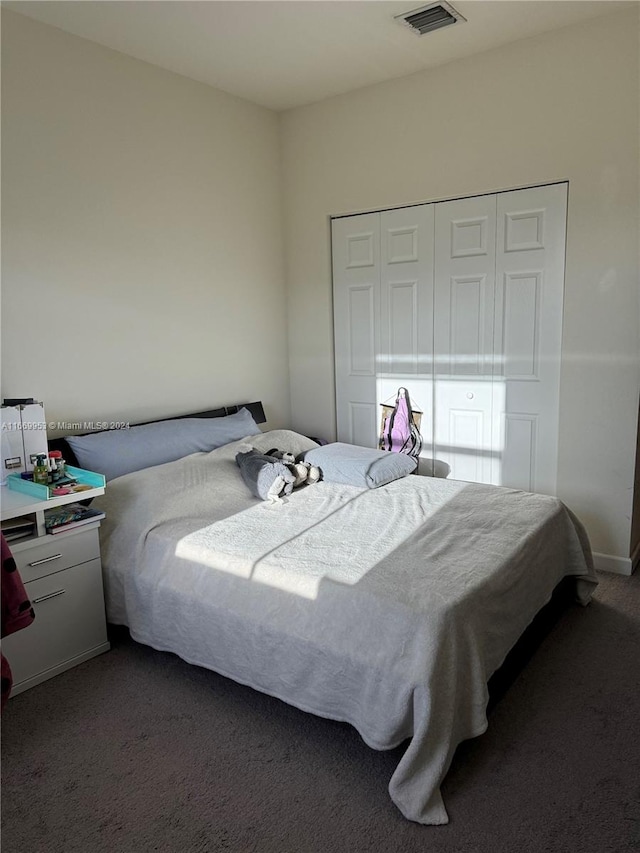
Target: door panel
(406,311)
(531,229)
(356,299)
(464,294)
(406,291)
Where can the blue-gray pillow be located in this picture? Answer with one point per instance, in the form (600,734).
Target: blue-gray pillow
(121,451)
(359,466)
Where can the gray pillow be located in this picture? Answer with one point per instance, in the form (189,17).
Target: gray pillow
(359,466)
(121,451)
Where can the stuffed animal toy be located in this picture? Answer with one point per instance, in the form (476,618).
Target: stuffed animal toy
(268,478)
(273,475)
(304,472)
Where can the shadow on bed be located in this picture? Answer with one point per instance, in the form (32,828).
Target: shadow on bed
(564,597)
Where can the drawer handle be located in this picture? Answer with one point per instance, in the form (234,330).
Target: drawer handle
(51,595)
(45,560)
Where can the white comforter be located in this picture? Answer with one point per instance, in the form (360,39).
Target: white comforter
(387,608)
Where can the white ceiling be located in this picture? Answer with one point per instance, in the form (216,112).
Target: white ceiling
(286,53)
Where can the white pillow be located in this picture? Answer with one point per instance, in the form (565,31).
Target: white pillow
(121,451)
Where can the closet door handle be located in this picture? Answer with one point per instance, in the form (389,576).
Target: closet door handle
(50,595)
(45,560)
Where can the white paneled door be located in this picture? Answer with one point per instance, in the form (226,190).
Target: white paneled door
(356,307)
(465,261)
(461,302)
(406,311)
(530,251)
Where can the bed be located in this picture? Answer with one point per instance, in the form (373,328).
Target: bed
(388,608)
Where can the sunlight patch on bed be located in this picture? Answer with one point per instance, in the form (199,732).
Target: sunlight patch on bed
(315,536)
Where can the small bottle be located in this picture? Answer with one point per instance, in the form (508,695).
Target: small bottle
(55,457)
(40,470)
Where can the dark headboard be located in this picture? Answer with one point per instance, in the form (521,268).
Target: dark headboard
(256,410)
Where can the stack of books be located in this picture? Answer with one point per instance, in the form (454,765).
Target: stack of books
(70,516)
(18,528)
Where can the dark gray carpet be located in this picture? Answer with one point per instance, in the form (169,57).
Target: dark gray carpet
(137,751)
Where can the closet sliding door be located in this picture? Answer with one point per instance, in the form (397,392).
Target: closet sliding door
(461,302)
(383,318)
(531,232)
(406,312)
(356,312)
(465,284)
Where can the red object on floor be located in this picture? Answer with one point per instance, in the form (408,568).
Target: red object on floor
(17,611)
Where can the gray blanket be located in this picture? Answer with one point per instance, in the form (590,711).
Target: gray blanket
(387,608)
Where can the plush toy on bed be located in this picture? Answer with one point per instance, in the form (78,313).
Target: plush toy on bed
(269,477)
(304,472)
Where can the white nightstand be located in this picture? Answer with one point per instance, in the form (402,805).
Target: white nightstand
(62,575)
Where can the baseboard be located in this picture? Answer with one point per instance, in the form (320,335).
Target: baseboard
(21,686)
(615,565)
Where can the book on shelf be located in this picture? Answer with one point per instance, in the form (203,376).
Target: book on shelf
(71,525)
(69,517)
(17,528)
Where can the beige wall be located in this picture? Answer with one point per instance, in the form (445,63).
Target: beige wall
(559,106)
(142,269)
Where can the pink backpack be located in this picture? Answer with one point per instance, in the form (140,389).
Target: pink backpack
(400,432)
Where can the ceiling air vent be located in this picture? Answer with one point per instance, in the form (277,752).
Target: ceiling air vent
(431,17)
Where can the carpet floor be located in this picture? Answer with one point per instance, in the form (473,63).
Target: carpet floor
(136,751)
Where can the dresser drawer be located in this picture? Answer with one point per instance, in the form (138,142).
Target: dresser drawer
(57,553)
(70,621)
